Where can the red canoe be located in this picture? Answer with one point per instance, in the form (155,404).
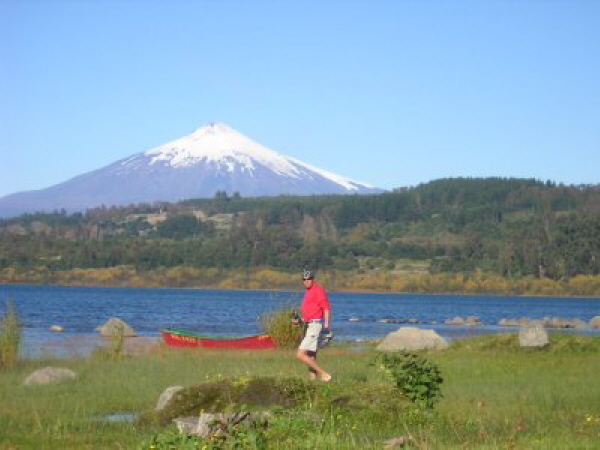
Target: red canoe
(180,338)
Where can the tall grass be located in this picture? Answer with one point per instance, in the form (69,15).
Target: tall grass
(279,325)
(10,336)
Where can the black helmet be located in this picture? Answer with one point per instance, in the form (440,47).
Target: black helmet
(307,275)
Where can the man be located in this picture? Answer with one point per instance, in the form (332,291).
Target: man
(316,314)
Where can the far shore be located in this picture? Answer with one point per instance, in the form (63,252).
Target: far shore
(294,289)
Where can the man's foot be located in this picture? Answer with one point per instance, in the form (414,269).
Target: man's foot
(325,378)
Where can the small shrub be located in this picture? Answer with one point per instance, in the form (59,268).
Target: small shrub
(115,348)
(278,324)
(10,336)
(415,376)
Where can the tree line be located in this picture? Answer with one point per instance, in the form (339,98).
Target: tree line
(512,228)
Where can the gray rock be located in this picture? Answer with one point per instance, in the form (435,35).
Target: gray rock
(49,375)
(409,338)
(455,321)
(533,336)
(508,323)
(166,396)
(472,320)
(208,424)
(115,326)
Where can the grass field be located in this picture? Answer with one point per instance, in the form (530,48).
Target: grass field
(495,395)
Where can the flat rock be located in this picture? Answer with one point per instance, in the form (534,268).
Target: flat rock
(410,338)
(49,375)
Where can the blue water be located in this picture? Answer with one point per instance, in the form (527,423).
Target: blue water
(79,310)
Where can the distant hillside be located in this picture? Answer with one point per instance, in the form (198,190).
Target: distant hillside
(509,227)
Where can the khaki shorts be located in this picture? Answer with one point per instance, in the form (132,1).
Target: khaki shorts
(311,338)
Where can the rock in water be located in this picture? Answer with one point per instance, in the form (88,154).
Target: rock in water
(409,338)
(49,375)
(533,336)
(114,327)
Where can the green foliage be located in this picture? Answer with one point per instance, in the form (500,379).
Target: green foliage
(10,336)
(172,439)
(513,228)
(280,326)
(242,436)
(180,226)
(418,378)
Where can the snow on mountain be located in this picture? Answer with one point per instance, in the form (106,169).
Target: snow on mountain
(213,158)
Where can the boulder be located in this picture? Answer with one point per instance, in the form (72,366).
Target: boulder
(409,338)
(533,336)
(508,322)
(49,375)
(166,396)
(114,326)
(472,320)
(595,322)
(455,321)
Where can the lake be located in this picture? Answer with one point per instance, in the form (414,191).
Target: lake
(79,310)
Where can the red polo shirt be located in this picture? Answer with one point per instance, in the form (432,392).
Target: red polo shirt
(314,303)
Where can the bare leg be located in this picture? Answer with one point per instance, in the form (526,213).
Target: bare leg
(303,355)
(313,372)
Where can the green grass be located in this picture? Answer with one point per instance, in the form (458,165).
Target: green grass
(10,336)
(496,396)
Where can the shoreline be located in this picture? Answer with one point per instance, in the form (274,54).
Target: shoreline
(283,289)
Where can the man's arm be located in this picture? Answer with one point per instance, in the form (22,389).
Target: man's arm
(327,317)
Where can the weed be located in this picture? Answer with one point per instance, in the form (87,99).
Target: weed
(115,348)
(10,336)
(280,326)
(415,376)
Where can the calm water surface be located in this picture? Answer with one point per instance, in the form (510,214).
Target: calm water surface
(221,312)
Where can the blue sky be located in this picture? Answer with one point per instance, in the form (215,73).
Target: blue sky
(393,93)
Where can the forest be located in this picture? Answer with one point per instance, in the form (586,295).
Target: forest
(504,228)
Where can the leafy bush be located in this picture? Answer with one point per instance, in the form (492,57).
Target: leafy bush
(415,376)
(10,336)
(278,324)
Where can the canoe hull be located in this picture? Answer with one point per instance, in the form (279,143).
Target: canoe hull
(179,339)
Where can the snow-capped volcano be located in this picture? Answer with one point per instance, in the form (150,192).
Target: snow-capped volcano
(213,158)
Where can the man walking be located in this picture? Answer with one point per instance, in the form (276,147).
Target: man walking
(316,314)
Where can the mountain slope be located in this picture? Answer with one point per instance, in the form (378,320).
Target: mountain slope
(213,158)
